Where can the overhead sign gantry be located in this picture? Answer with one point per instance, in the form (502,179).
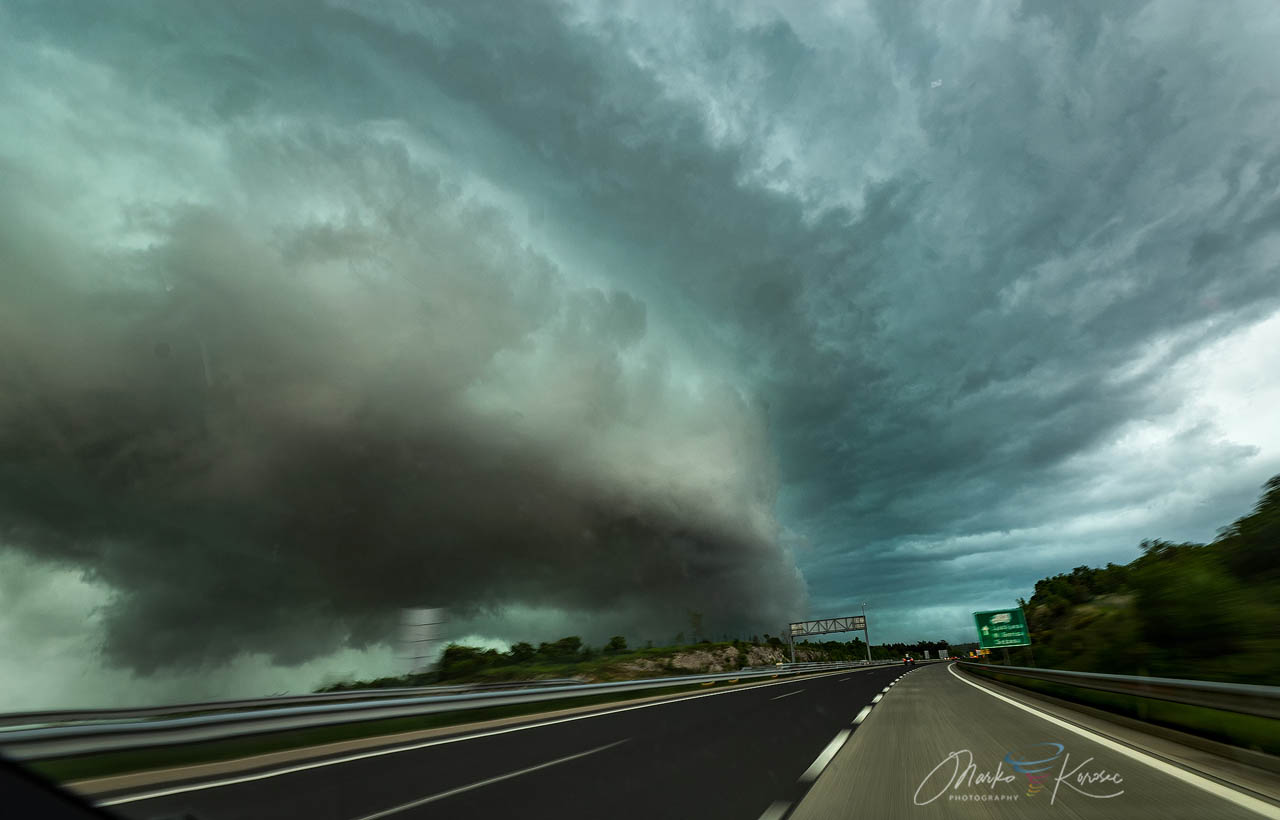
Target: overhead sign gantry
(824,626)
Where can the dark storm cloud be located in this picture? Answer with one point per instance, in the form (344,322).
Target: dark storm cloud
(925,249)
(936,353)
(267,440)
(256,468)
(938,345)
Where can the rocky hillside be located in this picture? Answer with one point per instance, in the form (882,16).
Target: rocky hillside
(718,658)
(569,658)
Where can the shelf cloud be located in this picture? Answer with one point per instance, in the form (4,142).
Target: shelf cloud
(606,314)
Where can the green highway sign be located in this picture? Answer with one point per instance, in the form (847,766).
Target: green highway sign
(1002,627)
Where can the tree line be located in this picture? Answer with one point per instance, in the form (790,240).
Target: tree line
(1207,611)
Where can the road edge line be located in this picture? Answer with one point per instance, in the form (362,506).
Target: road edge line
(1191,778)
(824,758)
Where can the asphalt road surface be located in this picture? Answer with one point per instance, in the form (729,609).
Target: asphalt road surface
(899,764)
(737,753)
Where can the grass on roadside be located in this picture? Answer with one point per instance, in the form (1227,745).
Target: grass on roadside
(1245,731)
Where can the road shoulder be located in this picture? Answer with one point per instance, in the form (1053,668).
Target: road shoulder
(902,759)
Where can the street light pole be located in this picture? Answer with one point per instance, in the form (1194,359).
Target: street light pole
(865,633)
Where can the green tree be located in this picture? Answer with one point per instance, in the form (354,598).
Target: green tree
(462,661)
(616,644)
(1179,609)
(563,650)
(1251,545)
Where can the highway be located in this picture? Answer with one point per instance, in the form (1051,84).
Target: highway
(726,754)
(899,765)
(867,743)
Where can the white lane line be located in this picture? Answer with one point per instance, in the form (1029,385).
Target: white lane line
(884,690)
(878,698)
(842,680)
(866,710)
(815,769)
(413,804)
(787,695)
(1216,789)
(776,811)
(302,767)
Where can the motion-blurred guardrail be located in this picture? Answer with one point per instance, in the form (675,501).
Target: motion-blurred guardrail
(1245,698)
(94,738)
(41,719)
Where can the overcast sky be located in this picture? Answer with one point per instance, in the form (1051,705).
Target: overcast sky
(574,318)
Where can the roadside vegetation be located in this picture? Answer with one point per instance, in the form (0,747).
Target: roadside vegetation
(1202,611)
(569,657)
(1259,734)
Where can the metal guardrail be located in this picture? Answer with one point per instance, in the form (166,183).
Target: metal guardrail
(93,738)
(70,716)
(1244,698)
